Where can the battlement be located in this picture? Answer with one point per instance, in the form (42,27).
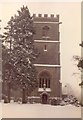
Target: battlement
(45,17)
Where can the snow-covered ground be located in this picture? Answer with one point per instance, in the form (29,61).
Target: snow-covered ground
(15,110)
(0,111)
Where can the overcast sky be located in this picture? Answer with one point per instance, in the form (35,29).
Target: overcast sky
(70,30)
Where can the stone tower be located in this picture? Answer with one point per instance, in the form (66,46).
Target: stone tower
(48,63)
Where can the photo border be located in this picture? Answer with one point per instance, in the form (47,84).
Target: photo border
(81,88)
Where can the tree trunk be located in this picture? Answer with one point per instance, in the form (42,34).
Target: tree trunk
(9,89)
(23,96)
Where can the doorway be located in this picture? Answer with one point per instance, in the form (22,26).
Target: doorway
(44,99)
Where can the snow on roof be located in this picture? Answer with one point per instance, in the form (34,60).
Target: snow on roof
(42,90)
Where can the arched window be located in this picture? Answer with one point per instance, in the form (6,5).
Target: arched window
(40,83)
(44,79)
(48,83)
(45,31)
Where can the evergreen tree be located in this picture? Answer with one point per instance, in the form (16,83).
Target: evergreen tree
(20,68)
(6,68)
(0,64)
(80,63)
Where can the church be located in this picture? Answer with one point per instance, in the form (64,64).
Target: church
(47,41)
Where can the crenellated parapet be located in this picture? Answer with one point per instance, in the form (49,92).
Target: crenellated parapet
(46,17)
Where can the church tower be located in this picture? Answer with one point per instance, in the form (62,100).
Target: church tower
(47,41)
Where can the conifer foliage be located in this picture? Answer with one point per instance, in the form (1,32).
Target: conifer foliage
(19,69)
(80,63)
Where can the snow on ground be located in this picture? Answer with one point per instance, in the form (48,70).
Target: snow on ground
(15,110)
(0,111)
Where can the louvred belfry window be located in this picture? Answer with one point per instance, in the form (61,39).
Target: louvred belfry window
(45,31)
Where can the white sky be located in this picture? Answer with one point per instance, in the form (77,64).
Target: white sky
(70,37)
